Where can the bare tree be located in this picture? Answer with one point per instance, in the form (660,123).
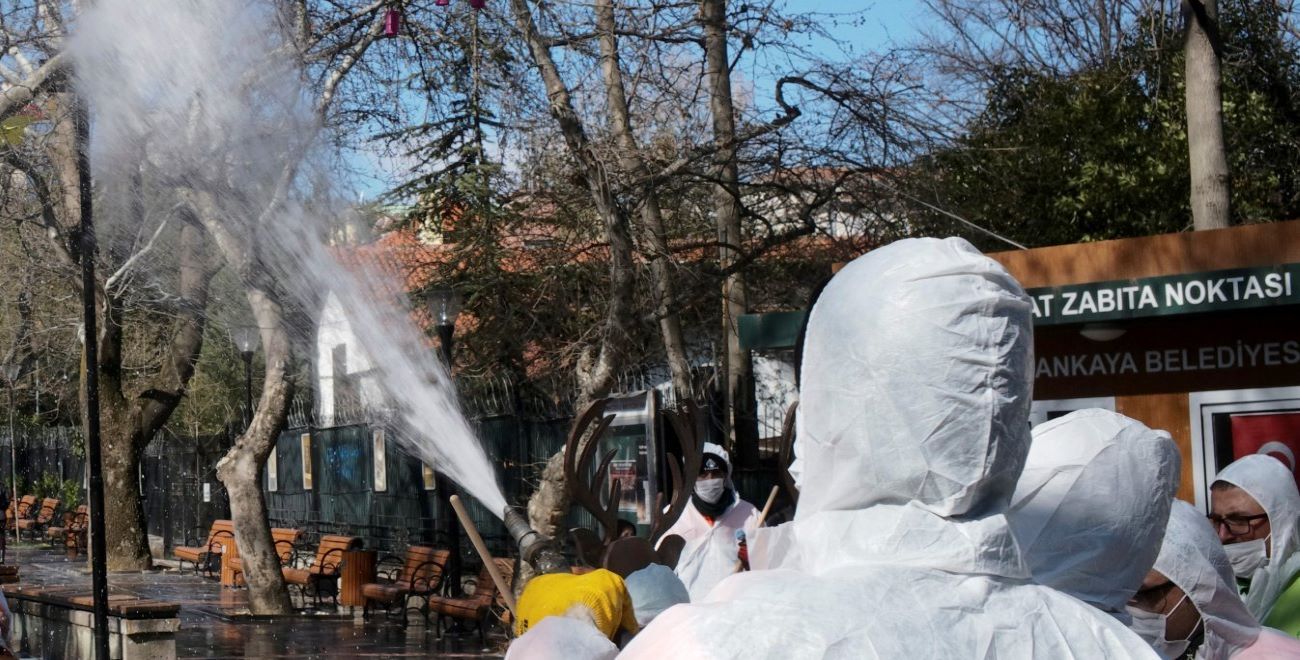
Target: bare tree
(1208,154)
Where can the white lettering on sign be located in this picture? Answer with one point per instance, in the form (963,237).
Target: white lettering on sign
(1121,297)
(1240,355)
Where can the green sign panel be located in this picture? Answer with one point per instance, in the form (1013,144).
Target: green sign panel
(1214,291)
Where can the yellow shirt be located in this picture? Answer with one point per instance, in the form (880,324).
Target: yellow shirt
(601,592)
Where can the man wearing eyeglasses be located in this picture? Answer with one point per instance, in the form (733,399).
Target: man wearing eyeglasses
(1254,508)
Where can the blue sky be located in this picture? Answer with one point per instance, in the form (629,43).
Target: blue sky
(861,26)
(866,24)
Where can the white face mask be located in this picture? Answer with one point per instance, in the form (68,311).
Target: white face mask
(1151,627)
(710,490)
(1248,556)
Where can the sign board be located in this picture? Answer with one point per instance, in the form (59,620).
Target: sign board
(1246,349)
(1239,288)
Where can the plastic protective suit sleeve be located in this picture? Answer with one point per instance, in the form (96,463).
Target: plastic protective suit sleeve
(1192,558)
(654,589)
(599,597)
(560,638)
(1091,505)
(913,428)
(1268,481)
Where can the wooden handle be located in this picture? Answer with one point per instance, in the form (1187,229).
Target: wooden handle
(762,516)
(477,540)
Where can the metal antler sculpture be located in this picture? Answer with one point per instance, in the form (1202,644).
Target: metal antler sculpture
(685,425)
(787,452)
(576,464)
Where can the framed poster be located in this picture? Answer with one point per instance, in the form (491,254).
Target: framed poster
(306,461)
(273,470)
(633,437)
(426,474)
(380,461)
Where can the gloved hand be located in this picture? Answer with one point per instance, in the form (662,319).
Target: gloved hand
(742,549)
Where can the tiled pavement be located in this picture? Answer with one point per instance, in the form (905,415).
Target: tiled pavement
(211,627)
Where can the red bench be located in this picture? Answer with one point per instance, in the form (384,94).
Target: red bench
(36,523)
(486,602)
(419,575)
(205,557)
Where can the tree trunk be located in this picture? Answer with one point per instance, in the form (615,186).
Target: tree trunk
(241,468)
(599,368)
(129,424)
(630,161)
(740,419)
(1207,153)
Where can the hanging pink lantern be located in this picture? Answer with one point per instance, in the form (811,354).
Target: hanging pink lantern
(442,3)
(478,4)
(392,23)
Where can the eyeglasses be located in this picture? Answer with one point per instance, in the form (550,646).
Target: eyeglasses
(1236,525)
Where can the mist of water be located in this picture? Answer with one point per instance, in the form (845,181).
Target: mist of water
(203,100)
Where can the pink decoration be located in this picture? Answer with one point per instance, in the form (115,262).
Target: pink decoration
(442,3)
(392,23)
(478,4)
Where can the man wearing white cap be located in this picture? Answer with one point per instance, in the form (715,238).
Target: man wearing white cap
(709,524)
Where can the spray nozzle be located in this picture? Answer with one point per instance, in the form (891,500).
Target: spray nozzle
(535,548)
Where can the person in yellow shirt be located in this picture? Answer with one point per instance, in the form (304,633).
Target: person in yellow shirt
(600,594)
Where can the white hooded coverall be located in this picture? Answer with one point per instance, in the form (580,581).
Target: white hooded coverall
(710,551)
(1268,481)
(912,431)
(1090,507)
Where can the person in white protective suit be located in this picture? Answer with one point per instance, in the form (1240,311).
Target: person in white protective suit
(1188,605)
(709,523)
(911,434)
(1255,508)
(563,638)
(1090,508)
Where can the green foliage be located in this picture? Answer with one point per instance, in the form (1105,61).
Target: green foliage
(47,485)
(1102,152)
(69,493)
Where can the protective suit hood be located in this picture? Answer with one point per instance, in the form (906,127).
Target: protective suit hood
(916,383)
(912,433)
(1192,558)
(1271,484)
(1090,508)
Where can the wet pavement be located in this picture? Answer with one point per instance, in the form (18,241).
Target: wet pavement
(214,622)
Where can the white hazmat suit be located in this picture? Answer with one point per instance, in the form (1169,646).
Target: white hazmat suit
(913,429)
(710,551)
(1090,508)
(1268,481)
(1192,558)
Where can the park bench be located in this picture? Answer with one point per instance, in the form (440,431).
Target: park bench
(205,557)
(72,533)
(34,524)
(417,576)
(24,510)
(479,607)
(321,575)
(285,540)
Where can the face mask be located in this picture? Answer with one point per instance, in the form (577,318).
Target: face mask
(1151,627)
(710,490)
(1247,557)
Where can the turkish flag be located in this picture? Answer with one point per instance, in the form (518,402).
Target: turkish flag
(1275,434)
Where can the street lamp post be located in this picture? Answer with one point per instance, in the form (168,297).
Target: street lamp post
(11,378)
(246,340)
(444,306)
